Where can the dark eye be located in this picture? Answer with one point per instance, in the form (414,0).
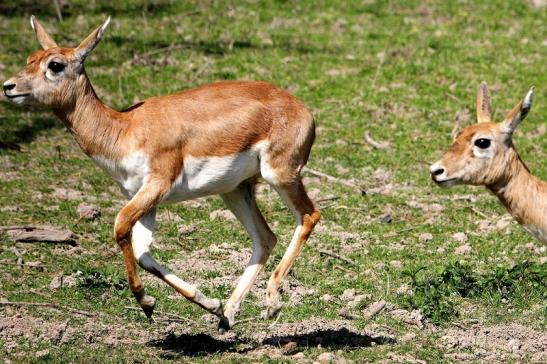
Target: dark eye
(56,66)
(482,143)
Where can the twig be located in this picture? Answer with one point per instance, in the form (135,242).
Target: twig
(200,71)
(344,269)
(37,266)
(58,10)
(332,179)
(250,319)
(375,144)
(478,212)
(49,305)
(336,256)
(331,198)
(20,260)
(276,320)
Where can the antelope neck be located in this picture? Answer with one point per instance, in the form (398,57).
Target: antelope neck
(96,127)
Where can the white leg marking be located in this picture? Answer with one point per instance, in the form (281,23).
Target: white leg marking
(142,238)
(142,234)
(242,204)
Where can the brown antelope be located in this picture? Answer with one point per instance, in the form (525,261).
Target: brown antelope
(484,154)
(214,139)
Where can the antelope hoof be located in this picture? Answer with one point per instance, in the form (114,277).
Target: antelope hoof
(147,304)
(272,311)
(225,324)
(273,305)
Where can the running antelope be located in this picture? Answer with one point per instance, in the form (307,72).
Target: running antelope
(484,154)
(214,139)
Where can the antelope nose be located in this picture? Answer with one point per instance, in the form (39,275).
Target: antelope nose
(8,86)
(437,172)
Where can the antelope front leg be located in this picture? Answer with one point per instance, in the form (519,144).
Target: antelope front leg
(122,230)
(142,237)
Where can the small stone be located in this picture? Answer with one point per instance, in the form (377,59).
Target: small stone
(460,237)
(68,194)
(404,290)
(42,353)
(440,250)
(185,230)
(298,356)
(463,250)
(88,211)
(514,345)
(327,298)
(395,264)
(425,237)
(222,215)
(326,357)
(348,295)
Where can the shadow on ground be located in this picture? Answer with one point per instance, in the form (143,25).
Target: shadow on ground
(205,344)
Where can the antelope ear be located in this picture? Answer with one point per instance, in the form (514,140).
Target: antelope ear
(484,108)
(91,41)
(43,38)
(518,113)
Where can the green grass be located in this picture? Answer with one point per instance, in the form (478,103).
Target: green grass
(400,70)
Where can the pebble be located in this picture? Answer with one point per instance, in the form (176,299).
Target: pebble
(463,250)
(88,211)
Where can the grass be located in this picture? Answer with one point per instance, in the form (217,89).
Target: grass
(400,70)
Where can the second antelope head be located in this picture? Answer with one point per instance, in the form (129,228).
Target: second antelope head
(51,76)
(483,153)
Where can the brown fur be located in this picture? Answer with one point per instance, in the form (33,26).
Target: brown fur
(503,173)
(214,120)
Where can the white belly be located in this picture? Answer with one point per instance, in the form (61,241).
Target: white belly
(213,175)
(200,176)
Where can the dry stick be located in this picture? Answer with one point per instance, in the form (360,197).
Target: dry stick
(333,198)
(344,269)
(337,256)
(375,144)
(37,266)
(49,305)
(200,71)
(332,178)
(58,10)
(478,212)
(20,260)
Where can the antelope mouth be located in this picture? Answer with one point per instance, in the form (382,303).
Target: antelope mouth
(447,182)
(17,95)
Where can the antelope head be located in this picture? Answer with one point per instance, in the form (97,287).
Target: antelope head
(482,154)
(53,76)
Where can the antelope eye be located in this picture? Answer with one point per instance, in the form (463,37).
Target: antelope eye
(482,143)
(56,67)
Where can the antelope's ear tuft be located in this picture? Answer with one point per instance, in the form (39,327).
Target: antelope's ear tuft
(43,38)
(518,113)
(89,43)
